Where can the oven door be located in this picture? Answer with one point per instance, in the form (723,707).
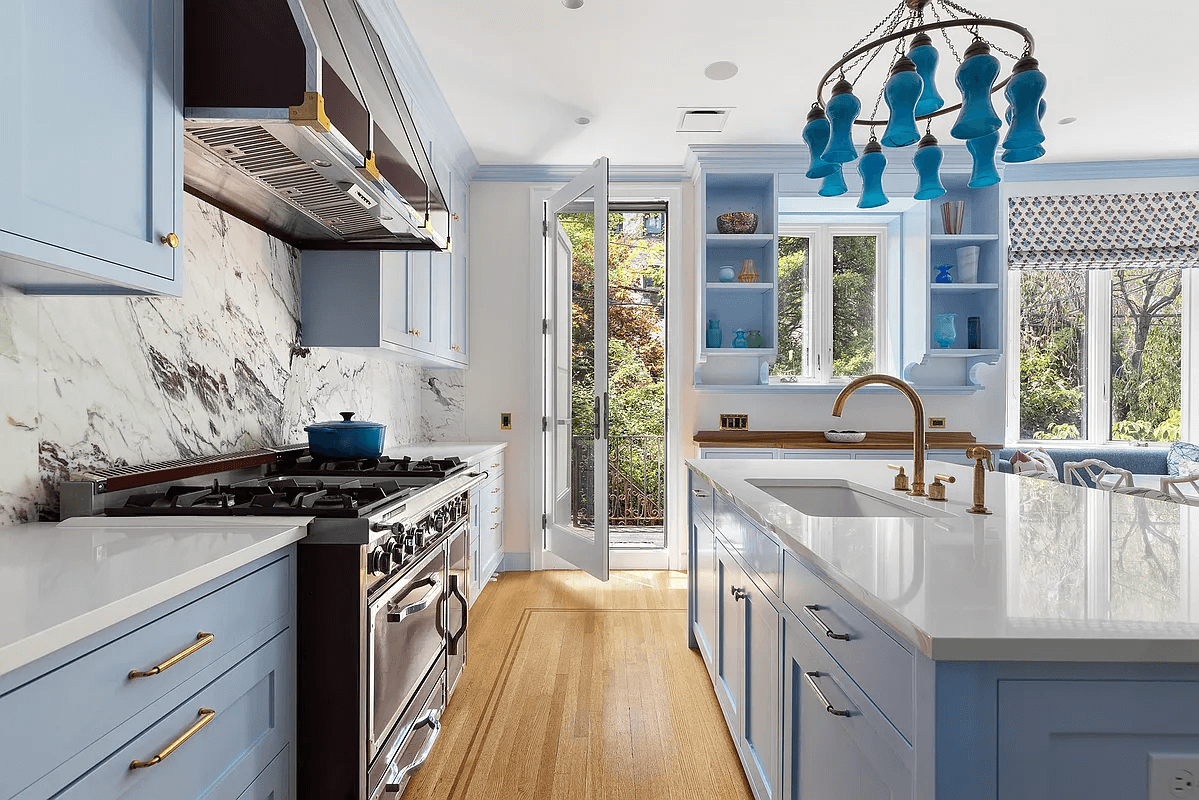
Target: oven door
(406,640)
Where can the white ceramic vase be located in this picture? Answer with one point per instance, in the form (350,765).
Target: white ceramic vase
(967,265)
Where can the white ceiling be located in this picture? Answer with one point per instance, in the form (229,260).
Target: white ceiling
(516,73)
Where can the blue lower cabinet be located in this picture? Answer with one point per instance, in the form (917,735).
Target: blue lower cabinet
(831,746)
(761,722)
(213,745)
(274,782)
(730,637)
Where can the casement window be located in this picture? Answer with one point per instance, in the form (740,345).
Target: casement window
(831,298)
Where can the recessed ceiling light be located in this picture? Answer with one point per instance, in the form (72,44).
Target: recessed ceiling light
(1067,120)
(573,3)
(721,70)
(582,120)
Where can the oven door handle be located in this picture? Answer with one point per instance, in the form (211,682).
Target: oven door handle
(433,720)
(420,605)
(452,647)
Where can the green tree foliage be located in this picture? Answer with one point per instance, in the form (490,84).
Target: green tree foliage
(793,282)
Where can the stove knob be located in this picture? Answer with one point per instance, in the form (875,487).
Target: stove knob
(396,549)
(380,561)
(397,532)
(377,527)
(439,520)
(412,543)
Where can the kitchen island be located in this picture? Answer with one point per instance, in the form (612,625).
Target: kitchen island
(867,644)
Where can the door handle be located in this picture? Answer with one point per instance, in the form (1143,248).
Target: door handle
(452,646)
(433,720)
(419,605)
(844,637)
(595,419)
(812,676)
(607,420)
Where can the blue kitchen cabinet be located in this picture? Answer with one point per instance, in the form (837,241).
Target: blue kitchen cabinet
(730,637)
(703,567)
(91,183)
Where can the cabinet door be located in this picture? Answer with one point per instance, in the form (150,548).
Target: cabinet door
(823,455)
(728,452)
(420,300)
(761,727)
(704,542)
(730,637)
(440,309)
(393,297)
(460,283)
(827,754)
(92,135)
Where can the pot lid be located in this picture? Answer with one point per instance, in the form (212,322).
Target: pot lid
(345,423)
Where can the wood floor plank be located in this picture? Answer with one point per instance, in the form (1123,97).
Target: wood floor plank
(581,690)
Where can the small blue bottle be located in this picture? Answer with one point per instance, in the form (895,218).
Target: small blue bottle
(739,339)
(975,77)
(815,135)
(871,169)
(714,335)
(901,93)
(925,57)
(928,166)
(943,275)
(842,110)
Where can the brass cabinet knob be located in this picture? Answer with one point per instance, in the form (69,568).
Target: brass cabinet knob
(171,240)
(455,347)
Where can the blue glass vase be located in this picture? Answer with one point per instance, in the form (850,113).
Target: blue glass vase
(945,329)
(1023,93)
(928,166)
(982,148)
(842,110)
(739,339)
(714,335)
(815,135)
(871,169)
(975,77)
(834,184)
(901,93)
(1022,154)
(943,275)
(925,57)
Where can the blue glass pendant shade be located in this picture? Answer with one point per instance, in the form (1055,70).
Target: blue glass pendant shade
(842,110)
(928,166)
(901,93)
(975,77)
(1023,93)
(925,57)
(982,148)
(1023,154)
(834,183)
(815,135)
(871,169)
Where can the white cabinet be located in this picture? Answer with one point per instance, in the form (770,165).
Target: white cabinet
(486,523)
(441,298)
(420,300)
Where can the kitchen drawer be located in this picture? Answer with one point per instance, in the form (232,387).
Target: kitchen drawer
(275,781)
(66,710)
(253,721)
(702,498)
(761,554)
(494,464)
(877,663)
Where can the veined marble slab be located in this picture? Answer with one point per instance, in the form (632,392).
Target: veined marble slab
(1055,573)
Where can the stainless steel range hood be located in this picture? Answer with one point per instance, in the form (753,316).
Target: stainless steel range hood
(294,120)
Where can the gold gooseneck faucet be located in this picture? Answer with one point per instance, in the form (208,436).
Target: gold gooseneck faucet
(918,438)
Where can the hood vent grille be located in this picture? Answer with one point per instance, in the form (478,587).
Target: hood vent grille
(256,152)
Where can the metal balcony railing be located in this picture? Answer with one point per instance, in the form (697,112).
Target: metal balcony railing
(636,481)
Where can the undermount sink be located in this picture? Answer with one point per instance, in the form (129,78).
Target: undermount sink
(827,497)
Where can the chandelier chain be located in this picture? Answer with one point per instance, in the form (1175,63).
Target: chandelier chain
(976,15)
(894,24)
(891,20)
(945,35)
(895,12)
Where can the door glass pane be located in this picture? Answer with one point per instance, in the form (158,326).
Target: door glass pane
(855,261)
(1146,354)
(794,280)
(1053,361)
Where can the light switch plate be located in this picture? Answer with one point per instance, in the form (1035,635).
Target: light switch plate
(1173,776)
(505,420)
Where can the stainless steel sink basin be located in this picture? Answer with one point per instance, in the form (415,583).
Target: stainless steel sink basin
(829,497)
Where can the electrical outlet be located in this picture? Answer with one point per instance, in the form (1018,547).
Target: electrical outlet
(1173,776)
(505,420)
(936,423)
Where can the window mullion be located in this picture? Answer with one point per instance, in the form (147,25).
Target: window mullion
(1099,355)
(825,307)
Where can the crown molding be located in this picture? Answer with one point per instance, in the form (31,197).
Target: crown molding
(796,157)
(564,173)
(1103,170)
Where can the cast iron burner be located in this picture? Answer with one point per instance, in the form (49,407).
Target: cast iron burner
(312,464)
(278,496)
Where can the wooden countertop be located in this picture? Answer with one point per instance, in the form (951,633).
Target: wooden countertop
(814,440)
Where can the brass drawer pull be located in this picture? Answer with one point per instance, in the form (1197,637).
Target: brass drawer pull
(206,716)
(202,639)
(812,676)
(496,465)
(495,490)
(495,510)
(844,637)
(493,527)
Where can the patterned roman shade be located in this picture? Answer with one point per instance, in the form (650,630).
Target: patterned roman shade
(1098,231)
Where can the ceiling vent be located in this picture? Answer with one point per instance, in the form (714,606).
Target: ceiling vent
(702,120)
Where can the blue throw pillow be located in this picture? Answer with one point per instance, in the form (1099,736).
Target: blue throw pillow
(1179,452)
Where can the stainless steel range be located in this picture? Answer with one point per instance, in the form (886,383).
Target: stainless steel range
(382,580)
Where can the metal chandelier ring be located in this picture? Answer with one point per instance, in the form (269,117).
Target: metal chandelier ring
(932,26)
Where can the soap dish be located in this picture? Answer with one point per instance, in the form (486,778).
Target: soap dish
(844,437)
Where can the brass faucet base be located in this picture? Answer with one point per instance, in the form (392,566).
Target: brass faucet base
(973,510)
(917,490)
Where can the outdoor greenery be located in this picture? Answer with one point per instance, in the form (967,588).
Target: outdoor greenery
(1145,353)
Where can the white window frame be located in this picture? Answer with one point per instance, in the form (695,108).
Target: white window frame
(818,302)
(1098,410)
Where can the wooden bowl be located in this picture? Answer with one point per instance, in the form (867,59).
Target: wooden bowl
(737,222)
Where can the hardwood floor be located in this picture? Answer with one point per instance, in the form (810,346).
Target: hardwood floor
(579,689)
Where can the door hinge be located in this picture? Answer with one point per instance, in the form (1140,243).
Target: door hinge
(545,229)
(545,326)
(545,424)
(545,521)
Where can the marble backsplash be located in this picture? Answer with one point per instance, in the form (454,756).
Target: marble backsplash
(100,381)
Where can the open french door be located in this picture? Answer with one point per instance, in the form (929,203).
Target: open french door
(576,393)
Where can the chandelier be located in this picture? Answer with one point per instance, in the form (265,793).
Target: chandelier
(910,93)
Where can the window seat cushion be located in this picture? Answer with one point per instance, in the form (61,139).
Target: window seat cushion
(1137,460)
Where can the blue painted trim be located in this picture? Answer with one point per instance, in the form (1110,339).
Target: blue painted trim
(1101,170)
(795,158)
(564,173)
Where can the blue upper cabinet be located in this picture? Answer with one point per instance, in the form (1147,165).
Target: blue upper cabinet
(91,127)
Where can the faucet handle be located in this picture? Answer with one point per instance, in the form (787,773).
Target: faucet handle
(981,454)
(901,480)
(936,490)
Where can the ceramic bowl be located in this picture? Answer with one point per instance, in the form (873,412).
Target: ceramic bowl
(737,222)
(844,437)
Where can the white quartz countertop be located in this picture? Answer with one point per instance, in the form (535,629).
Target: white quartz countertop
(60,583)
(1055,573)
(467,451)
